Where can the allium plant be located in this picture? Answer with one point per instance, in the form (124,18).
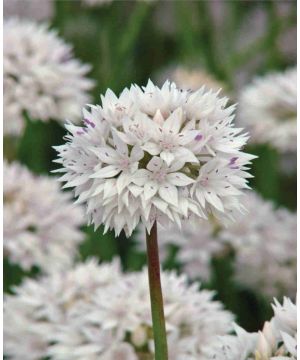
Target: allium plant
(95,312)
(265,244)
(41,225)
(268,109)
(41,76)
(156,155)
(276,341)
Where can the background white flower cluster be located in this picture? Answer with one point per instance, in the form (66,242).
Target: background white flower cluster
(264,241)
(41,76)
(41,225)
(96,312)
(276,341)
(268,109)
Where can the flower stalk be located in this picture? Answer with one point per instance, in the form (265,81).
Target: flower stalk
(157,307)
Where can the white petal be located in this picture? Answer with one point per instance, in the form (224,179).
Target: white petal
(151,148)
(169,193)
(120,144)
(141,177)
(200,197)
(136,153)
(106,154)
(98,189)
(185,155)
(106,172)
(155,164)
(179,179)
(110,188)
(160,204)
(214,200)
(183,206)
(127,138)
(188,136)
(173,122)
(290,343)
(150,189)
(176,165)
(122,181)
(135,190)
(79,180)
(158,118)
(167,156)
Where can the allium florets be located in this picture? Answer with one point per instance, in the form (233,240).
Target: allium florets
(96,312)
(41,225)
(276,341)
(268,109)
(156,154)
(41,76)
(265,244)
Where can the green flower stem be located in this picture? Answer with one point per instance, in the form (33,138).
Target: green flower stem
(157,307)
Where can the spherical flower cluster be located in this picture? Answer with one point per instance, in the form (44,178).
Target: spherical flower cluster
(41,225)
(41,76)
(95,312)
(156,154)
(265,242)
(32,314)
(277,340)
(268,108)
(197,244)
(193,79)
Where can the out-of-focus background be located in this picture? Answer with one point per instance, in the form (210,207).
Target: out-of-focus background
(219,43)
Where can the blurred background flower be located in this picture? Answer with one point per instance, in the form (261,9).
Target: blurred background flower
(41,226)
(94,312)
(52,70)
(268,109)
(42,80)
(262,240)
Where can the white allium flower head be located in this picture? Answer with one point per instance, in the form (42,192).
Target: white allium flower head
(268,109)
(41,76)
(94,312)
(265,241)
(156,154)
(41,224)
(38,307)
(276,341)
(197,244)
